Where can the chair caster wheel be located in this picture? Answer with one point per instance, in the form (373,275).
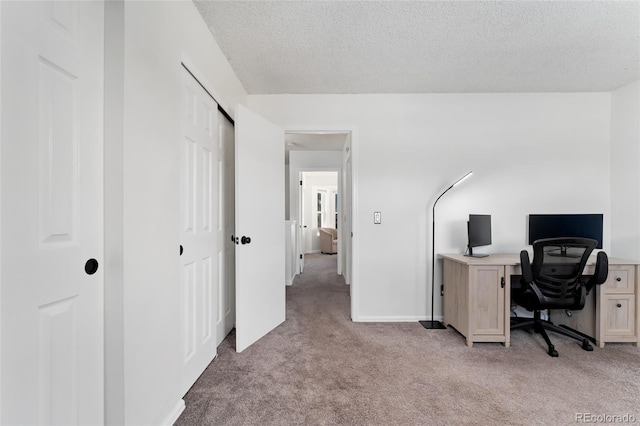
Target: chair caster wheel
(586,346)
(553,352)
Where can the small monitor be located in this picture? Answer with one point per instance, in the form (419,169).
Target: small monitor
(565,225)
(479,231)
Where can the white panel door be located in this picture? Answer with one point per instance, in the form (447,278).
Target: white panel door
(199,219)
(52,213)
(226,228)
(260,254)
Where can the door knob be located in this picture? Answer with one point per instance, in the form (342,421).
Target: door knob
(245,240)
(91,266)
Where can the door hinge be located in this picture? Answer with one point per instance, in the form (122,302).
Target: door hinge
(300,256)
(502,282)
(300,183)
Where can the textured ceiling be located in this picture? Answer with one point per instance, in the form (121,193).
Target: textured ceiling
(428,46)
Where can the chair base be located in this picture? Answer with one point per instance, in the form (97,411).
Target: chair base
(584,336)
(540,326)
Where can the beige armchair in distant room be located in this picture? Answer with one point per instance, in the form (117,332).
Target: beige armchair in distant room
(328,240)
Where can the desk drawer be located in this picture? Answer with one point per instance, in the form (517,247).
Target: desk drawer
(621,279)
(619,320)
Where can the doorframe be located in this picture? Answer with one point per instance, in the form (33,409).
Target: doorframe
(300,173)
(353,153)
(1,230)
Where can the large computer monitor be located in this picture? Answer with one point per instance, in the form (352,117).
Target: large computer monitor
(565,225)
(479,232)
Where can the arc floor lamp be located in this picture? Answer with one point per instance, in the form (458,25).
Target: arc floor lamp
(431,325)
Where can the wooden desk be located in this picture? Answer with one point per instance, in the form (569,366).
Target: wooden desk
(477,300)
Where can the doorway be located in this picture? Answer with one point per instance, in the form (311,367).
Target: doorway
(319,204)
(338,156)
(316,154)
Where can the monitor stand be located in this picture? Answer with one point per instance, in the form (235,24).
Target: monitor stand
(470,254)
(561,253)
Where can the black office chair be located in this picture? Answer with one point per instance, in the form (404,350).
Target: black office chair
(554,281)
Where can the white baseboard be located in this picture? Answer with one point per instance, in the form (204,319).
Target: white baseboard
(364,318)
(174,414)
(289,281)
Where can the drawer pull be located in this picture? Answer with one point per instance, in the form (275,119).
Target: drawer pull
(619,305)
(618,279)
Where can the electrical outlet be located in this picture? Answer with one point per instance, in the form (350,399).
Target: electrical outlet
(377,218)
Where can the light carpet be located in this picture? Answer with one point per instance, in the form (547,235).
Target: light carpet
(320,368)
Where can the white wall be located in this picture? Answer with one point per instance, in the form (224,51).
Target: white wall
(148,42)
(625,171)
(530,153)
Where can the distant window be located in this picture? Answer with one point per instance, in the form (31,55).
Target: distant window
(321,196)
(326,208)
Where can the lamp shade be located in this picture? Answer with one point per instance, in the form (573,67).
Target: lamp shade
(459,181)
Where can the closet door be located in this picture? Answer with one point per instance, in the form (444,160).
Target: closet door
(199,228)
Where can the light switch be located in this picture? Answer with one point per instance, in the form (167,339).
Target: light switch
(377,218)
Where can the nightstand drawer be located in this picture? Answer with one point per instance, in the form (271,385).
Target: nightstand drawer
(621,279)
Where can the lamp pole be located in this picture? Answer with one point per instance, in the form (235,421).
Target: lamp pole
(437,325)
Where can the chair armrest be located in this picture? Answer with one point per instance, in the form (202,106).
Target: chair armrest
(527,280)
(525,265)
(601,272)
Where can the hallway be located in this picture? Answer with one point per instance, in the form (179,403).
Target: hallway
(269,383)
(318,294)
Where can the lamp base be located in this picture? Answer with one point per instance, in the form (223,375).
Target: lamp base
(432,325)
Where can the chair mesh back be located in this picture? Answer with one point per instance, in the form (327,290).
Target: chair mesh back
(558,264)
